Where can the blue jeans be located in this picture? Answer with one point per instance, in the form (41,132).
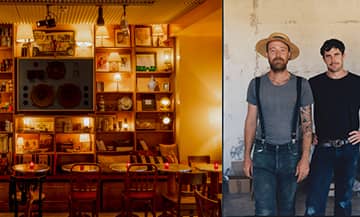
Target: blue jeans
(327,164)
(274,168)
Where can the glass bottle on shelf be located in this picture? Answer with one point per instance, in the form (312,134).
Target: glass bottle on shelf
(101,103)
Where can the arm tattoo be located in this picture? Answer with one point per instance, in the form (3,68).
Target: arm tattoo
(306,122)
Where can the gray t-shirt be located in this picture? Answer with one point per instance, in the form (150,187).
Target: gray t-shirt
(277,103)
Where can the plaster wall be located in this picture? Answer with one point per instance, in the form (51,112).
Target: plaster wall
(308,23)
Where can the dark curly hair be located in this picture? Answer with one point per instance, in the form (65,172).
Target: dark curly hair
(332,43)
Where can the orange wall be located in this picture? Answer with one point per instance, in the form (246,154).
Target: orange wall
(199,88)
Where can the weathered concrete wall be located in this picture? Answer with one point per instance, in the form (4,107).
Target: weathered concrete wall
(307,22)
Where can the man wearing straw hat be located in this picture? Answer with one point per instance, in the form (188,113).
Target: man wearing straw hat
(276,99)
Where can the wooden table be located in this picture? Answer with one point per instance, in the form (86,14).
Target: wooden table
(28,169)
(84,168)
(122,167)
(172,169)
(214,174)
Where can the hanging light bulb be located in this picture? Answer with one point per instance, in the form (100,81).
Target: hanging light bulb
(100,20)
(124,26)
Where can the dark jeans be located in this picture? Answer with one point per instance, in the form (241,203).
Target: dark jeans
(327,164)
(274,168)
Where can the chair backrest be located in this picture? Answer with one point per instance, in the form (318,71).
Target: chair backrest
(85,178)
(198,159)
(189,181)
(207,207)
(141,178)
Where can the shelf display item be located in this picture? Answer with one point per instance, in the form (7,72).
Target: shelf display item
(125,103)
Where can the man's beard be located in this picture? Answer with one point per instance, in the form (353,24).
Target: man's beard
(278,66)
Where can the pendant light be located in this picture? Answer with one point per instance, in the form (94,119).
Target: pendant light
(100,20)
(124,26)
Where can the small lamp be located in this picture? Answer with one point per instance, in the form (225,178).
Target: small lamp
(101,33)
(25,35)
(117,78)
(125,124)
(86,123)
(157,32)
(165,103)
(114,60)
(83,36)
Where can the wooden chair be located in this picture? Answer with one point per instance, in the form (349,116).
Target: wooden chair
(27,191)
(198,159)
(140,185)
(84,189)
(183,202)
(207,207)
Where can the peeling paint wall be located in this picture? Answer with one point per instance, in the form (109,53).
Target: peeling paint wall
(307,22)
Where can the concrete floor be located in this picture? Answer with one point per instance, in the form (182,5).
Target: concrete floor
(241,205)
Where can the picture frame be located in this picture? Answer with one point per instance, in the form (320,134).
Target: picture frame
(165,86)
(53,43)
(148,102)
(121,40)
(143,36)
(146,61)
(125,63)
(102,63)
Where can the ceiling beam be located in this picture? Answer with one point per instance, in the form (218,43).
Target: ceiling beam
(80,2)
(206,8)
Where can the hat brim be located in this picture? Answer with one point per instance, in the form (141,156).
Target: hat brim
(261,47)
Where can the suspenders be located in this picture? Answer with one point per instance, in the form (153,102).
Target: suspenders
(295,112)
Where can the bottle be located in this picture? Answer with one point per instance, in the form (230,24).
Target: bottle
(152,83)
(101,103)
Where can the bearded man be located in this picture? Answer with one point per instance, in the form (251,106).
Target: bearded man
(281,149)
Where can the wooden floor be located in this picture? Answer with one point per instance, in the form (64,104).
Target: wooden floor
(65,214)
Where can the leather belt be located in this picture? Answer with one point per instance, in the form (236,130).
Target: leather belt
(337,143)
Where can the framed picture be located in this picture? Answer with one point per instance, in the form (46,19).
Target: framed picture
(53,43)
(146,61)
(143,36)
(125,64)
(148,103)
(102,63)
(121,40)
(166,86)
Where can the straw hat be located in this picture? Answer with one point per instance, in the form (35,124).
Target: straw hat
(277,36)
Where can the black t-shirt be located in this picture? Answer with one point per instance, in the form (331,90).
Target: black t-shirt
(336,105)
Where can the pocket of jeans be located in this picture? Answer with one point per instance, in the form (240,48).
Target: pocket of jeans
(258,147)
(294,149)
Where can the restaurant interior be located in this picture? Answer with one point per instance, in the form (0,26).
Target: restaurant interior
(110,107)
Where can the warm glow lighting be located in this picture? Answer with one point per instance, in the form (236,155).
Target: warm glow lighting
(84,137)
(31,165)
(86,122)
(164,103)
(83,35)
(114,60)
(24,33)
(125,124)
(27,122)
(157,31)
(166,120)
(101,32)
(117,78)
(20,141)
